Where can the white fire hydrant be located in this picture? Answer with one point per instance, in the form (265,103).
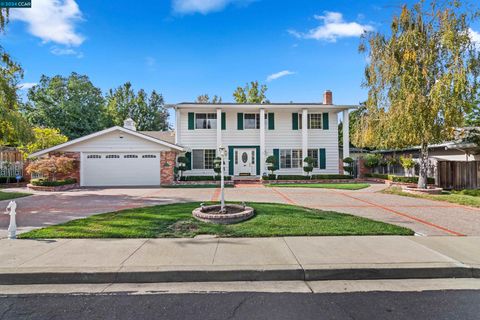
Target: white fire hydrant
(12,227)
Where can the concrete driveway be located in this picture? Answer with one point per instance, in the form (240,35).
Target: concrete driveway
(425,217)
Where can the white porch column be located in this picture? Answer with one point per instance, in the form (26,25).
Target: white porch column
(262,141)
(177,125)
(346,134)
(304,135)
(219,129)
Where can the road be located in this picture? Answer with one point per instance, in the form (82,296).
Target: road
(450,304)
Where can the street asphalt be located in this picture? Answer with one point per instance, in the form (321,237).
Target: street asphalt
(438,305)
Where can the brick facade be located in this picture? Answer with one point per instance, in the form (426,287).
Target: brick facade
(362,169)
(167,165)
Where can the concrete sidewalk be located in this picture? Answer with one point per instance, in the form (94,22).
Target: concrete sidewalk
(237,259)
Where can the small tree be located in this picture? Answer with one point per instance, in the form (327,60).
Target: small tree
(349,167)
(271,162)
(407,163)
(182,165)
(309,165)
(50,167)
(371,160)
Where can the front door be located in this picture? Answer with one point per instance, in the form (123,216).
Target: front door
(244,160)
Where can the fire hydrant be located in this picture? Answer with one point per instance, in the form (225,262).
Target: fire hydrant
(12,227)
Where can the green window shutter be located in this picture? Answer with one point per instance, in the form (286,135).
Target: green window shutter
(239,121)
(323,158)
(325,120)
(230,161)
(191,121)
(271,121)
(294,121)
(224,121)
(276,154)
(188,155)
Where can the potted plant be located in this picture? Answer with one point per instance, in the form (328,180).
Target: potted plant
(271,162)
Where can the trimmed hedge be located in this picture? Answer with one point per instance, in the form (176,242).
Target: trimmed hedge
(10,180)
(46,183)
(312,177)
(270,177)
(397,178)
(204,178)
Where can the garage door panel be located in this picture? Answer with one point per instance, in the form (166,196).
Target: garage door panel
(121,169)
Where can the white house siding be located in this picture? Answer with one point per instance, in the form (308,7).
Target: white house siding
(283,137)
(116,141)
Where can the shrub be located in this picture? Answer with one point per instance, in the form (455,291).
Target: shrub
(9,179)
(269,177)
(46,183)
(292,177)
(204,178)
(377,176)
(310,163)
(181,165)
(51,166)
(409,179)
(271,162)
(349,167)
(331,176)
(371,160)
(407,162)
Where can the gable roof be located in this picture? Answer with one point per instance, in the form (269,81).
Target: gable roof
(99,133)
(167,136)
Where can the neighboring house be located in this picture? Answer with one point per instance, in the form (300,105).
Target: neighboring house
(250,132)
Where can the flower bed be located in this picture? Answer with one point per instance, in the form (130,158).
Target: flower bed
(200,182)
(59,185)
(313,181)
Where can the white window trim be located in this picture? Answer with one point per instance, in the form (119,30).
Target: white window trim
(309,121)
(256,115)
(203,154)
(207,118)
(291,159)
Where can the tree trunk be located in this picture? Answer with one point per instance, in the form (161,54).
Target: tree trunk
(423,174)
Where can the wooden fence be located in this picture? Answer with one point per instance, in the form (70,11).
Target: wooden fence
(458,175)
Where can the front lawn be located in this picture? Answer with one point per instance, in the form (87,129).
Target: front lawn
(12,195)
(452,197)
(175,221)
(341,186)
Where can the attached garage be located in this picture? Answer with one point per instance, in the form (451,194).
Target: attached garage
(121,169)
(120,157)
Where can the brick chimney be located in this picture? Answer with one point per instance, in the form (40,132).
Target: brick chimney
(327,97)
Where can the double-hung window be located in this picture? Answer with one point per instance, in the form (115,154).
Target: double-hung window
(314,121)
(313,153)
(203,159)
(205,120)
(291,158)
(252,121)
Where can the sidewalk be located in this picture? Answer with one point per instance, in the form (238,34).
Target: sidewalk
(237,259)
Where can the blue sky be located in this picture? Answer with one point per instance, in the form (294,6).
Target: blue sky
(183,48)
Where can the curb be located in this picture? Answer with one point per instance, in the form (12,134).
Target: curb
(26,278)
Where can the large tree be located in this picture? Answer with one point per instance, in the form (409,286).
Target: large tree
(71,104)
(149,113)
(14,129)
(44,138)
(251,93)
(422,78)
(205,98)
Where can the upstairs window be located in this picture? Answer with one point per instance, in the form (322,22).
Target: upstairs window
(314,121)
(252,121)
(205,120)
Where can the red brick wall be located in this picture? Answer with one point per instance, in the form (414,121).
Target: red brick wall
(167,165)
(362,170)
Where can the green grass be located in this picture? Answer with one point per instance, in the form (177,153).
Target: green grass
(175,221)
(457,198)
(12,195)
(196,186)
(342,186)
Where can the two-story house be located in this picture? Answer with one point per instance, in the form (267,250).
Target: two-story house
(123,156)
(252,132)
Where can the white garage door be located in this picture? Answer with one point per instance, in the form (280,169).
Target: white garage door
(121,169)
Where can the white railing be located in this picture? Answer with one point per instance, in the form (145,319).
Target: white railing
(11,169)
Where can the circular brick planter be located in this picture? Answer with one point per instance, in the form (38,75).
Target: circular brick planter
(235,213)
(429,190)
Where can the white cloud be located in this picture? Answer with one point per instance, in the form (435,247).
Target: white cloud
(279,75)
(65,52)
(203,6)
(26,85)
(475,36)
(52,21)
(332,27)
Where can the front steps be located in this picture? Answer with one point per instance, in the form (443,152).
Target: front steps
(247,181)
